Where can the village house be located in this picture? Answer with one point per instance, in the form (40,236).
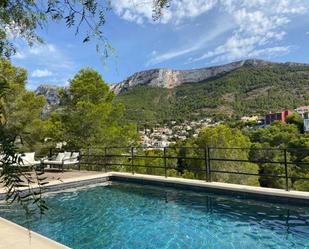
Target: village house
(302,110)
(279,116)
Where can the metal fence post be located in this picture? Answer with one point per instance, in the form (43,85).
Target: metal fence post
(105,161)
(132,161)
(208,164)
(79,159)
(164,157)
(88,158)
(286,171)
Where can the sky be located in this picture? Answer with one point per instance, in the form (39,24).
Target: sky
(190,34)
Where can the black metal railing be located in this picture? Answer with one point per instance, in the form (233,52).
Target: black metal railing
(205,163)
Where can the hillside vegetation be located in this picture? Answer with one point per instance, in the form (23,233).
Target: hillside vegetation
(244,91)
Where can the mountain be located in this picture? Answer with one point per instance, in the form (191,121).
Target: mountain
(52,96)
(168,78)
(50,92)
(239,88)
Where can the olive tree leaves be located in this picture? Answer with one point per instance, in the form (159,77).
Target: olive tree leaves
(22,187)
(21,18)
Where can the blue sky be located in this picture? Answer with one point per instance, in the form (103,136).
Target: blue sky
(190,34)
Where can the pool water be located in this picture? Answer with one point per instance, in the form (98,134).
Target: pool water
(125,215)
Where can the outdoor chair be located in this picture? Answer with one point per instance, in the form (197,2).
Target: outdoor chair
(28,160)
(63,159)
(1,160)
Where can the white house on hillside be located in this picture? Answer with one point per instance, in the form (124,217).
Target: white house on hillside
(302,110)
(306,121)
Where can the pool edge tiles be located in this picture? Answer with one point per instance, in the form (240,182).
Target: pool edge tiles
(14,236)
(267,194)
(72,182)
(264,194)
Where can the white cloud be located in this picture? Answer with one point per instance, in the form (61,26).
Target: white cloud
(132,10)
(249,52)
(47,56)
(257,27)
(140,11)
(273,51)
(234,47)
(260,25)
(42,49)
(41,73)
(195,46)
(46,62)
(183,9)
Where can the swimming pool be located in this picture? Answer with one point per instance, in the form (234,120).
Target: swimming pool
(129,215)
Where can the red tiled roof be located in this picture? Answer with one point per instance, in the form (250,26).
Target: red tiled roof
(305,106)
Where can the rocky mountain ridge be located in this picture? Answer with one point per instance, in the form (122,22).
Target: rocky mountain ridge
(164,78)
(50,92)
(169,78)
(52,96)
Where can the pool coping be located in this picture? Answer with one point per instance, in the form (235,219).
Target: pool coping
(171,181)
(68,182)
(12,229)
(267,194)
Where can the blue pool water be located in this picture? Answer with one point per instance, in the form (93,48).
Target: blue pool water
(125,215)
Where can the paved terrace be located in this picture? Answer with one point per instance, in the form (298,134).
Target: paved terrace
(55,176)
(15,236)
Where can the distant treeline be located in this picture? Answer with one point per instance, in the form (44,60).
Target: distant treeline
(263,149)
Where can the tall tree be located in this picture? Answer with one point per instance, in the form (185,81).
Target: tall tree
(278,137)
(231,139)
(20,114)
(297,120)
(90,118)
(21,108)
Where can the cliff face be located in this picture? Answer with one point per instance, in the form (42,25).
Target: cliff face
(165,78)
(168,78)
(254,87)
(51,93)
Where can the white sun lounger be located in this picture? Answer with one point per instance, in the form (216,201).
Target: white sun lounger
(63,159)
(28,159)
